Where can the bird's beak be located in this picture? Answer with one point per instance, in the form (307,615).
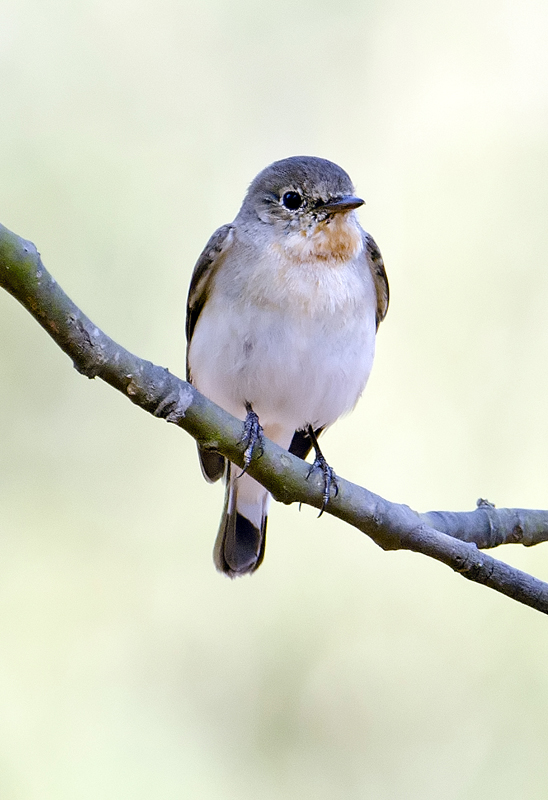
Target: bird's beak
(345,203)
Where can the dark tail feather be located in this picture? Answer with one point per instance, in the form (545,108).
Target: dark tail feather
(239,547)
(212,464)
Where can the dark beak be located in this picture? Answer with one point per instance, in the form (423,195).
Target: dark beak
(345,203)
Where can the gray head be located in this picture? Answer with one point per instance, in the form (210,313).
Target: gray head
(303,206)
(298,191)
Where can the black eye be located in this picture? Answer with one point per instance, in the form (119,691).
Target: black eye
(292,200)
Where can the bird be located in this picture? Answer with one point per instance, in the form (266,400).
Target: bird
(282,314)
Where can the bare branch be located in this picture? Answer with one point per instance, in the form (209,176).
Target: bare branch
(488,526)
(450,537)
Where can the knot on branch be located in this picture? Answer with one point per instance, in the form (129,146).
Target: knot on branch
(90,356)
(174,406)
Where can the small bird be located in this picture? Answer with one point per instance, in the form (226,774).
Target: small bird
(283,309)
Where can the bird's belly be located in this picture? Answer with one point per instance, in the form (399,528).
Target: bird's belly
(294,369)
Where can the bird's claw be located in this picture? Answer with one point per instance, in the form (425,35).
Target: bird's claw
(329,479)
(252,437)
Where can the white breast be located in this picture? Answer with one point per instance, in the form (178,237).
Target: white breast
(295,340)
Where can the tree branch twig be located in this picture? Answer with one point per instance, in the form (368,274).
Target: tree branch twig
(450,537)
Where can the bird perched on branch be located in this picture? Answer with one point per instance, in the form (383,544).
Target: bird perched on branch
(283,309)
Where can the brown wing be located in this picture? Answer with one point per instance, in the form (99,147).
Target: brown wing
(376,265)
(212,463)
(201,277)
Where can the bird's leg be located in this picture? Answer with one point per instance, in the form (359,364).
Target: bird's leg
(329,477)
(252,437)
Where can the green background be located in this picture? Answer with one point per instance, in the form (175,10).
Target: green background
(129,669)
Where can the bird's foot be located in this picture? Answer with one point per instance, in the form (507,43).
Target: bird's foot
(252,437)
(329,477)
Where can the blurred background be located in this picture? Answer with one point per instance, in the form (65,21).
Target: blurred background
(129,669)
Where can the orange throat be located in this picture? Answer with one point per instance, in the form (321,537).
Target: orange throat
(335,239)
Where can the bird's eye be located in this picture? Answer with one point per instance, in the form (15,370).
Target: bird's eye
(292,200)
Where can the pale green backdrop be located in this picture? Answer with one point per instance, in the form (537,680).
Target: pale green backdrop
(129,669)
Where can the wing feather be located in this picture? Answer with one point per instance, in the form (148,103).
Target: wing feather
(376,265)
(212,463)
(206,266)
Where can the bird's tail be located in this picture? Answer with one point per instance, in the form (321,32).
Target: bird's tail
(240,543)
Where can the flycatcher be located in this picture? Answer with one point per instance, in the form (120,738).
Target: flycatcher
(283,309)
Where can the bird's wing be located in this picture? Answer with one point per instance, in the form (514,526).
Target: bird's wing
(212,463)
(376,265)
(205,268)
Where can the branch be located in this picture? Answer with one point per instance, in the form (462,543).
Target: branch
(450,537)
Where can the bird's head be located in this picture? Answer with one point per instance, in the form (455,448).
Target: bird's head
(305,206)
